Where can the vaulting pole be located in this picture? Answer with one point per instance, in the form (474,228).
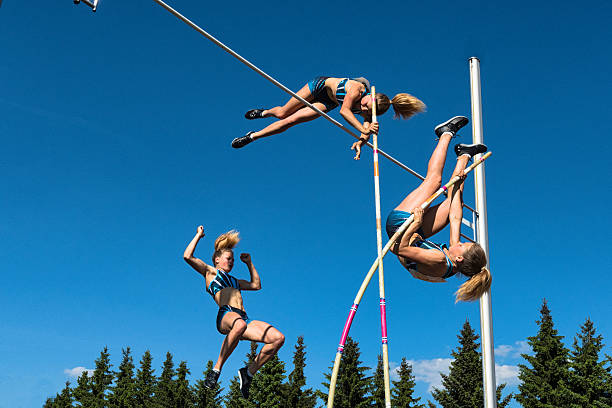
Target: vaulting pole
(381,275)
(482,237)
(366,281)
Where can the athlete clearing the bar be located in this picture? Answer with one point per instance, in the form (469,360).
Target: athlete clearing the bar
(232,320)
(326,93)
(434,262)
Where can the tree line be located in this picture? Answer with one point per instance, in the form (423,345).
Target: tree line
(553,376)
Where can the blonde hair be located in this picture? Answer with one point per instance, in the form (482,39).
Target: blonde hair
(225,242)
(404,105)
(474,265)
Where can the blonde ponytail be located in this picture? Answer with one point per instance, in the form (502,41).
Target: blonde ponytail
(225,242)
(474,288)
(406,105)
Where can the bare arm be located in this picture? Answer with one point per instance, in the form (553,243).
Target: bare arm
(352,95)
(194,262)
(455,214)
(255,282)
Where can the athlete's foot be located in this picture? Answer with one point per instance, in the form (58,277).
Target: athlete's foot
(254,114)
(471,150)
(451,126)
(239,142)
(211,379)
(245,381)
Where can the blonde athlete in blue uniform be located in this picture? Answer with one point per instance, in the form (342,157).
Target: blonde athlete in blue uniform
(327,93)
(232,319)
(436,262)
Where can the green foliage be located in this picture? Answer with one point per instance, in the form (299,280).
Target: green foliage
(145,384)
(205,398)
(62,400)
(123,393)
(462,387)
(101,380)
(82,392)
(545,383)
(184,397)
(378,385)
(233,398)
(352,385)
(267,385)
(295,396)
(589,378)
(403,389)
(164,390)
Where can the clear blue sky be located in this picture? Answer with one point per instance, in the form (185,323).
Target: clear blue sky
(115,138)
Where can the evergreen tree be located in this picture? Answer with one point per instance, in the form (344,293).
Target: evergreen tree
(545,384)
(184,397)
(64,400)
(145,383)
(123,393)
(295,397)
(403,389)
(101,380)
(205,398)
(82,393)
(267,385)
(234,399)
(462,387)
(589,377)
(352,385)
(378,385)
(164,390)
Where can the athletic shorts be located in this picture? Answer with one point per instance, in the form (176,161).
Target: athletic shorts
(395,219)
(227,308)
(318,91)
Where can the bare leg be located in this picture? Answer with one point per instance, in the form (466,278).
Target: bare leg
(235,326)
(281,112)
(264,333)
(302,115)
(433,179)
(436,218)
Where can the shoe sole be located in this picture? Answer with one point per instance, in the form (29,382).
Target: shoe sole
(240,379)
(447,122)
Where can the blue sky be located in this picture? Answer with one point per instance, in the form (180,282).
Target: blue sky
(115,132)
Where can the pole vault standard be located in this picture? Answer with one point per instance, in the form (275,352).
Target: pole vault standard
(278,84)
(381,275)
(366,281)
(482,236)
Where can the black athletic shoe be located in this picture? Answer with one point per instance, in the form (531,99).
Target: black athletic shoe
(254,114)
(245,382)
(472,150)
(452,125)
(211,379)
(239,142)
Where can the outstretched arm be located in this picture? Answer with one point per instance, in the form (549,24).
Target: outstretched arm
(255,282)
(194,262)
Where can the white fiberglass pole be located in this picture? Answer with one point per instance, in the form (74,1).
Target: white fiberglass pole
(482,237)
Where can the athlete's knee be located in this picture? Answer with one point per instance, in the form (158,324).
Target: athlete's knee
(278,340)
(434,180)
(239,327)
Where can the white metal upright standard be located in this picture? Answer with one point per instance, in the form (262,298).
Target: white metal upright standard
(486,323)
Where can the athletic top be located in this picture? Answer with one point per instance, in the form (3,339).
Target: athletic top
(425,244)
(341,90)
(222,280)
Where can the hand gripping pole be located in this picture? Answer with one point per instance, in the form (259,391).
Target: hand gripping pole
(366,281)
